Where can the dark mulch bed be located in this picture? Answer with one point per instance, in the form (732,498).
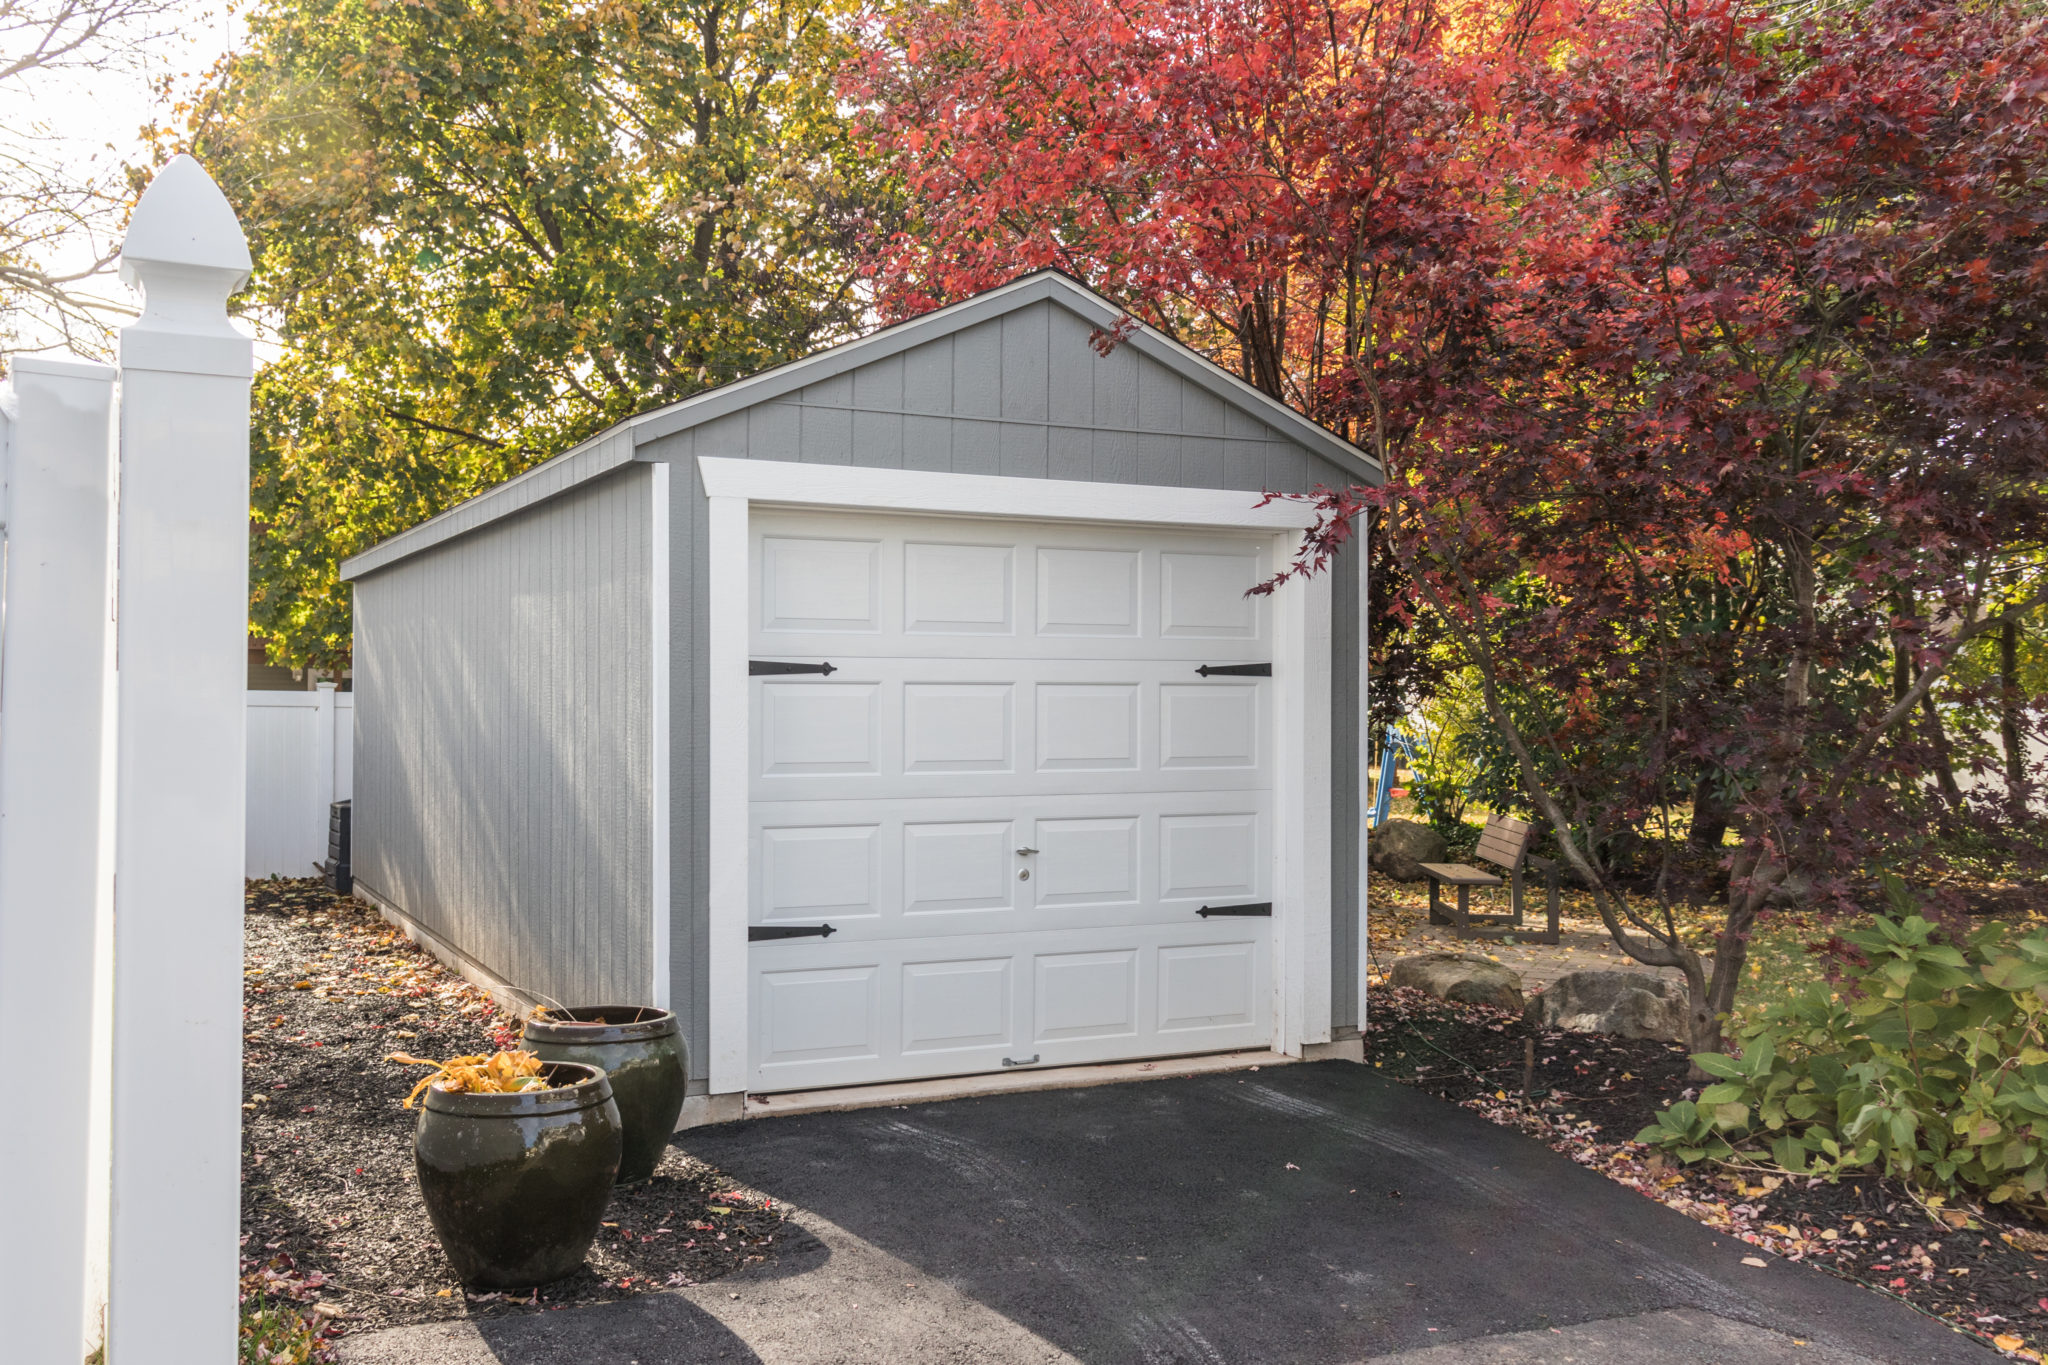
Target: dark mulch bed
(1589,1095)
(329,1202)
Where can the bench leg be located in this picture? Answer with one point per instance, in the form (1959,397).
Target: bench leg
(1464,912)
(1436,908)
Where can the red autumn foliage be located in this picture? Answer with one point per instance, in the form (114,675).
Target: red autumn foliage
(1704,350)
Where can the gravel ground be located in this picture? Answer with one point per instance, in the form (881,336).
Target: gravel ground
(331,1215)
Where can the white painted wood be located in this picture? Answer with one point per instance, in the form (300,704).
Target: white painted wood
(981,495)
(850,995)
(55,878)
(300,761)
(1304,776)
(182,731)
(726,950)
(661,914)
(1015,696)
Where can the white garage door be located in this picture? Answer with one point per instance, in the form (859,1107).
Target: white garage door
(1011,799)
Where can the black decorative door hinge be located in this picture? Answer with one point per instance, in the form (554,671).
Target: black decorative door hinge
(757,932)
(758,668)
(1260,908)
(1236,670)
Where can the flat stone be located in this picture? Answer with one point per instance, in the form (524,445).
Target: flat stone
(1625,1004)
(1399,848)
(1457,976)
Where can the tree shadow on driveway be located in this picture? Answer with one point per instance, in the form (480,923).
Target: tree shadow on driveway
(1311,1213)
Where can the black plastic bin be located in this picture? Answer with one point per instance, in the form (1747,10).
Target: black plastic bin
(338,876)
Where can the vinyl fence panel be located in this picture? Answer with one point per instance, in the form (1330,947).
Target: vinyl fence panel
(301,757)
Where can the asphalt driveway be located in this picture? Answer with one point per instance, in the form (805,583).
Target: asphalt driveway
(1315,1214)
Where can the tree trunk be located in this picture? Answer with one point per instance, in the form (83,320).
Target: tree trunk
(1709,814)
(2009,710)
(1711,998)
(1944,771)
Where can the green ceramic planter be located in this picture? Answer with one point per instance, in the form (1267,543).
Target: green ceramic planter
(642,1052)
(516,1184)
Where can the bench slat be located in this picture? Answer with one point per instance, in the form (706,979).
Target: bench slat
(1504,840)
(1458,874)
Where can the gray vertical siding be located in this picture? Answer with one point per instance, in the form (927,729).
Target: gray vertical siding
(503,775)
(1024,395)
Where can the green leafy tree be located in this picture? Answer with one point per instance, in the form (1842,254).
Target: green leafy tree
(484,231)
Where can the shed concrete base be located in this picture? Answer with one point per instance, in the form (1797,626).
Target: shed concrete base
(1007,1082)
(1350,1049)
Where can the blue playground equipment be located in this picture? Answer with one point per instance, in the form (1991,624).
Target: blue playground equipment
(1391,743)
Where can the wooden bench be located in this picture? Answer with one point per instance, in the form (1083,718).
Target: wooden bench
(1504,843)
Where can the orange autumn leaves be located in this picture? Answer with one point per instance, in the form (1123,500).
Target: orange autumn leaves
(502,1073)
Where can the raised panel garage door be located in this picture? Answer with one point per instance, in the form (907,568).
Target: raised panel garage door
(1010,799)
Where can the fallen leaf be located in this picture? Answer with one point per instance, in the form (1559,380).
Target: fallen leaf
(1756,1261)
(2008,1342)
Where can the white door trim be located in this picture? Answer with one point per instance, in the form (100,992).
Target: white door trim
(988,495)
(1301,850)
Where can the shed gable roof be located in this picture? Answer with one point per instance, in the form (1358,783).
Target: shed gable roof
(620,443)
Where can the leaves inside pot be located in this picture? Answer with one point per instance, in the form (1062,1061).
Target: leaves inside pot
(502,1073)
(541,1016)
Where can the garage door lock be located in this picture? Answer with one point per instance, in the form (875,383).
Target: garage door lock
(1262,908)
(1032,1060)
(757,932)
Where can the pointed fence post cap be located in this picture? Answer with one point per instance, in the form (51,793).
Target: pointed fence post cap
(184,222)
(186,253)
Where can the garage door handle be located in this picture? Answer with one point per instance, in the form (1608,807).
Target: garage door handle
(757,668)
(1236,670)
(757,932)
(1264,908)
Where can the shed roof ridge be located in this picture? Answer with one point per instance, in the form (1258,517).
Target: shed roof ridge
(1046,284)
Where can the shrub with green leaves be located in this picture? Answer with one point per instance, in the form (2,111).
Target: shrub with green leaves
(1927,1061)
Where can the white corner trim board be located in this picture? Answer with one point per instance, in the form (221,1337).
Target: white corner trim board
(1300,714)
(658,675)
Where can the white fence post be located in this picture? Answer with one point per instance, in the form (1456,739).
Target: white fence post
(183,644)
(323,761)
(54,882)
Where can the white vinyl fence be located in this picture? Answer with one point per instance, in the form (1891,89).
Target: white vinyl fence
(301,751)
(124,503)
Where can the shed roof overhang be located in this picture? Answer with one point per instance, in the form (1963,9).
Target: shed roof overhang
(620,443)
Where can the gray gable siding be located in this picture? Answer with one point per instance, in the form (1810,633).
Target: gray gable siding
(504,731)
(1026,395)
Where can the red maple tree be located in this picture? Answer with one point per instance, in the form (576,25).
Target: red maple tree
(1704,349)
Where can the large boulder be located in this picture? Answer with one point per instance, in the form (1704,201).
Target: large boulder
(1400,847)
(1626,1004)
(1454,976)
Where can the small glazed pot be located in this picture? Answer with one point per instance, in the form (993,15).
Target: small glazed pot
(516,1184)
(642,1052)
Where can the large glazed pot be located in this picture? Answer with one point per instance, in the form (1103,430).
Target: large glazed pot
(516,1184)
(642,1052)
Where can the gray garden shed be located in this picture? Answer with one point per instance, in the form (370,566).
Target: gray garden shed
(896,713)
